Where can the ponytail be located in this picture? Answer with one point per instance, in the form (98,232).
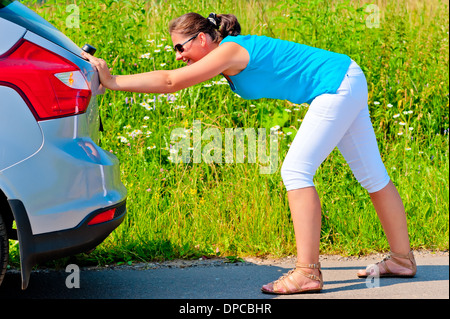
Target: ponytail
(228,25)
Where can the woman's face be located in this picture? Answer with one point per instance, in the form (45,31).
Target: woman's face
(193,50)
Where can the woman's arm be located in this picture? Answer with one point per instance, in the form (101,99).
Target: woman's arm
(227,57)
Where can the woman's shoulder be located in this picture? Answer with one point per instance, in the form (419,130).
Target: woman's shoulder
(233,38)
(252,39)
(246,38)
(249,41)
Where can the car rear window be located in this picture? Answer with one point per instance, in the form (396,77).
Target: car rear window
(17,13)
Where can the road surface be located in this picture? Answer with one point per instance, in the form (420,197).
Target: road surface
(217,280)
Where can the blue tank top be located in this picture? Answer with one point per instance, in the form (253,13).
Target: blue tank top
(286,70)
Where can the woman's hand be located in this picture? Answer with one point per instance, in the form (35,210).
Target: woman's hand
(106,78)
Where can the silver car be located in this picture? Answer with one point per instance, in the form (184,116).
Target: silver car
(61,190)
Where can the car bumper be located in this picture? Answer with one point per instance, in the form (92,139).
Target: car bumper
(42,247)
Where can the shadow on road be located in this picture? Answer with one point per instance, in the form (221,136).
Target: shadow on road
(425,273)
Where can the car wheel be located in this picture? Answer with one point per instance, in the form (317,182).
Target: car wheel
(4,249)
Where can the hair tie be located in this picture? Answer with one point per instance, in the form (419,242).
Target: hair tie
(212,18)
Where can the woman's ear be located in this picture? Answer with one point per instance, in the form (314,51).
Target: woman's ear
(203,39)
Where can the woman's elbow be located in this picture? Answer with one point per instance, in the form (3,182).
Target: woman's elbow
(171,86)
(173,82)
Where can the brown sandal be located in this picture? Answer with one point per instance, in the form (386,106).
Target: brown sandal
(283,284)
(381,268)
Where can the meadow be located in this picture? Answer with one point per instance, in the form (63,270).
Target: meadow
(230,209)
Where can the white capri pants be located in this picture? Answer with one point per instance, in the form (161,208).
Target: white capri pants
(341,120)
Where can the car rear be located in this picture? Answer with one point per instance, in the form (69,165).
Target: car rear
(64,191)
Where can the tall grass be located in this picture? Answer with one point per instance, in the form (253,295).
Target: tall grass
(196,209)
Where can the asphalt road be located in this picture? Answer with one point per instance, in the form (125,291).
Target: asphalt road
(215,280)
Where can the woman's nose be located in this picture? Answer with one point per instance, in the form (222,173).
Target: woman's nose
(178,55)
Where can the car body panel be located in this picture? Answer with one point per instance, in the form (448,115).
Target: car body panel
(19,125)
(68,178)
(10,34)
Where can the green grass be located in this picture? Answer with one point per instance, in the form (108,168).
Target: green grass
(199,209)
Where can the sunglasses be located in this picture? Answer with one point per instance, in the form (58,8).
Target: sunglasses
(179,47)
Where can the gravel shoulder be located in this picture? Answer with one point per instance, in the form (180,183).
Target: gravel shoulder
(263,261)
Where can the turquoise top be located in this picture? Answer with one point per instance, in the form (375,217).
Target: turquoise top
(286,70)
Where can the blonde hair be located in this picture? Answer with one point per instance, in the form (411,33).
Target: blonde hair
(217,26)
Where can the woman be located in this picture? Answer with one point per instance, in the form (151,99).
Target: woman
(333,84)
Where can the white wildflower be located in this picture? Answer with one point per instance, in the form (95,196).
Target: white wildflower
(275,128)
(134,133)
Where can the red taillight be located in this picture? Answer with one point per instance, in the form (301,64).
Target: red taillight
(103,217)
(54,86)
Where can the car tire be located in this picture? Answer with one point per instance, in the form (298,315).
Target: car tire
(4,249)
